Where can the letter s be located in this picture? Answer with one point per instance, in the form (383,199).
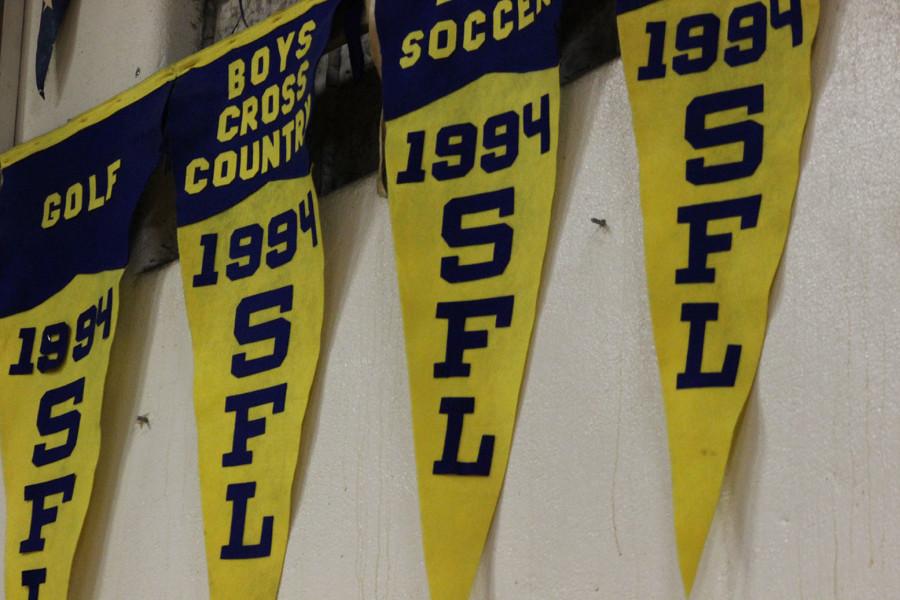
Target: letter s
(48,424)
(277,330)
(748,132)
(499,235)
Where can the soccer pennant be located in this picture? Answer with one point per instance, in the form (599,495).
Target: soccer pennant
(252,265)
(720,91)
(471,104)
(66,205)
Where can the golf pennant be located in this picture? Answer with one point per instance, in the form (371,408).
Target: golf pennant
(720,91)
(252,265)
(471,104)
(66,204)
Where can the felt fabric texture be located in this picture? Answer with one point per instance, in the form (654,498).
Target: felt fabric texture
(720,93)
(471,136)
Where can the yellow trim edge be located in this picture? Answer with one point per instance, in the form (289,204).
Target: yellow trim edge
(154,82)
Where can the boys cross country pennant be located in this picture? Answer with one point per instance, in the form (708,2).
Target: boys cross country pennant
(253,269)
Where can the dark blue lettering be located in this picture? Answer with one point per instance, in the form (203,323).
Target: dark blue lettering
(54,347)
(49,424)
(208,274)
(308,223)
(792,17)
(414,173)
(539,126)
(41,515)
(459,339)
(282,232)
(278,330)
(104,313)
(756,31)
(25,366)
(33,580)
(702,244)
(698,315)
(655,67)
(239,495)
(706,40)
(456,409)
(501,131)
(245,427)
(458,142)
(749,133)
(499,235)
(246,243)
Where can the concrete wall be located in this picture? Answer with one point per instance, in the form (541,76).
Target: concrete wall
(809,507)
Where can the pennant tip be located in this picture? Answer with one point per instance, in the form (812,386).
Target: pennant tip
(689,562)
(687,579)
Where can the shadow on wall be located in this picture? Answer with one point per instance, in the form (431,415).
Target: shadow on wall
(344,230)
(823,62)
(66,42)
(138,307)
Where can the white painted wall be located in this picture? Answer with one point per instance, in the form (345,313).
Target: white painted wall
(11,25)
(809,508)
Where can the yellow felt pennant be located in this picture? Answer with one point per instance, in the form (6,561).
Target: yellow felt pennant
(720,91)
(256,345)
(51,432)
(253,268)
(471,113)
(458,501)
(66,205)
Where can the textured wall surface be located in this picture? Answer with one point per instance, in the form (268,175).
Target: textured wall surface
(809,507)
(103,48)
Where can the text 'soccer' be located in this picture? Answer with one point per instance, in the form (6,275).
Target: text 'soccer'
(471,103)
(66,205)
(720,91)
(252,265)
